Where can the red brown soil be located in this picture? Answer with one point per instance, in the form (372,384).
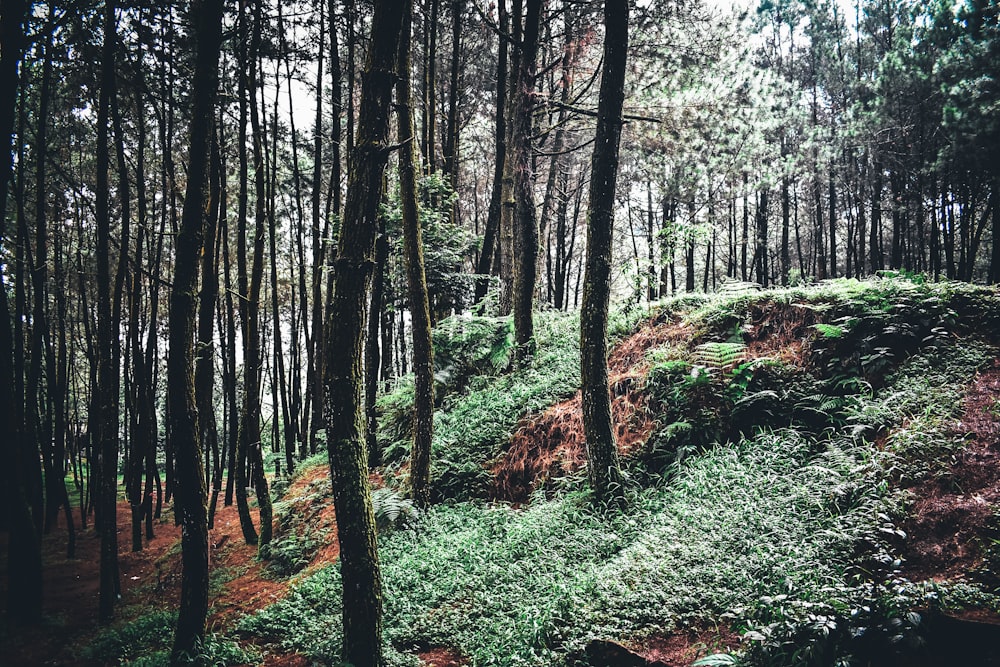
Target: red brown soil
(548,446)
(440,656)
(552,444)
(953,513)
(150,580)
(683,647)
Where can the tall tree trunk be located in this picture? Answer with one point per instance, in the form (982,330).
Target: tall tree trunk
(786,255)
(190,493)
(244,439)
(521,202)
(430,88)
(651,283)
(314,365)
(373,353)
(252,353)
(204,368)
(485,264)
(24,558)
(450,153)
(875,231)
(602,452)
(832,199)
(219,194)
(423,351)
(761,253)
(107,375)
(994,276)
(362,603)
(39,424)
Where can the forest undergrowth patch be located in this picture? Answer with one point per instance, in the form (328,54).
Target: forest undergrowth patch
(786,526)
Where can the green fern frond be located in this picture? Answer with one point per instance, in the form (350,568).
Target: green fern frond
(720,355)
(391,509)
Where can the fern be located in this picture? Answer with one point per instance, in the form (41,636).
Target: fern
(720,355)
(392,510)
(738,288)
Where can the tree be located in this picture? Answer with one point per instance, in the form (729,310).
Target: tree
(107,373)
(190,494)
(343,380)
(24,568)
(519,200)
(604,471)
(413,246)
(485,264)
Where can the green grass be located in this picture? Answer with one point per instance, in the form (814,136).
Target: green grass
(475,424)
(146,642)
(787,534)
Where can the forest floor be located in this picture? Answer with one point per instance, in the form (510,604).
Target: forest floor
(951,525)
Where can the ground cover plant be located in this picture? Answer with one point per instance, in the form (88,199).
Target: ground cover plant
(781,519)
(776,485)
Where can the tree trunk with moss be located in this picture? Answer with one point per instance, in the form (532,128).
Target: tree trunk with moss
(602,451)
(106,439)
(519,201)
(344,353)
(190,494)
(413,247)
(24,558)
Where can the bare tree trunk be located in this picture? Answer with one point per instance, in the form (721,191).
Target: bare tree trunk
(520,199)
(451,140)
(252,353)
(373,353)
(485,265)
(24,564)
(107,380)
(190,495)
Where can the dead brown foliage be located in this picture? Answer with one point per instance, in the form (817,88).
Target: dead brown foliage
(953,514)
(551,445)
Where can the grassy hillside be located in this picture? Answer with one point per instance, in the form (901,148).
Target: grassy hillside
(789,433)
(812,479)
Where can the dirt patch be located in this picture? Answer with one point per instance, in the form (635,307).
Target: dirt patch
(150,580)
(551,445)
(953,513)
(547,446)
(440,656)
(681,648)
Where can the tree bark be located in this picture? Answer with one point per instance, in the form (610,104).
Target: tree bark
(362,602)
(603,469)
(107,374)
(423,351)
(190,492)
(252,353)
(485,264)
(24,564)
(520,200)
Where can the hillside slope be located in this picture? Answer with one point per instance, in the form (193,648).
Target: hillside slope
(812,478)
(776,444)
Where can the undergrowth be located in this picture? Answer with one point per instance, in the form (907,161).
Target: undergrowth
(146,641)
(482,402)
(781,519)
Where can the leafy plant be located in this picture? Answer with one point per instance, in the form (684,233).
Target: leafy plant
(392,510)
(720,355)
(288,554)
